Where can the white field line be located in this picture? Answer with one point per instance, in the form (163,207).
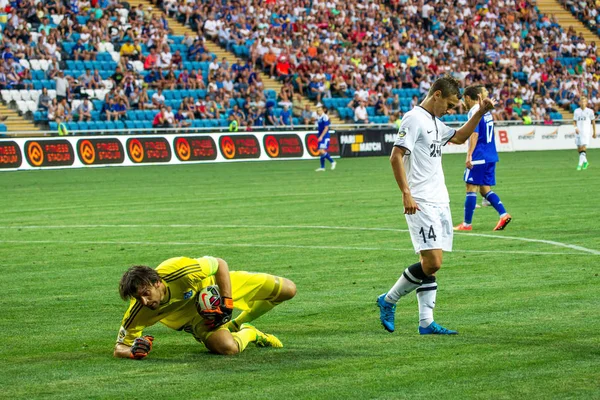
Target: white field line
(324,227)
(266,245)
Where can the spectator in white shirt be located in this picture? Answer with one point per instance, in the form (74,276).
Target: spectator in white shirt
(360,114)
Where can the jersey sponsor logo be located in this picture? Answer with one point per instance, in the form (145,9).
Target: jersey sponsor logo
(428,132)
(188,295)
(551,135)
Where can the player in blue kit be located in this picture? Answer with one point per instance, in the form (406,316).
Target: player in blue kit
(323,125)
(482,157)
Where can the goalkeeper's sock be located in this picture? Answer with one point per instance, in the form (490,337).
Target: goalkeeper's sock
(243,337)
(410,280)
(257,308)
(426,294)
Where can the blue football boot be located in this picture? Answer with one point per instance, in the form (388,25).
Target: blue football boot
(435,329)
(387,313)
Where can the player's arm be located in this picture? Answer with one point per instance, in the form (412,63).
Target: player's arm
(472,144)
(594,127)
(222,278)
(575,125)
(216,317)
(396,159)
(322,135)
(464,132)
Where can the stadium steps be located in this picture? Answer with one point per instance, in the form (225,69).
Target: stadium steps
(16,122)
(269,84)
(566,19)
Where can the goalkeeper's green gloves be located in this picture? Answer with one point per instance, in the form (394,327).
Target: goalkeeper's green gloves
(141,347)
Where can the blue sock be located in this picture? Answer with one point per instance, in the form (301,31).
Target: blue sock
(470,203)
(328,157)
(323,161)
(495,202)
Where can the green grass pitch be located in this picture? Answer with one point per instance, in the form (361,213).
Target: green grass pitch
(526,310)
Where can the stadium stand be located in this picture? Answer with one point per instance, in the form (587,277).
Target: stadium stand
(586,11)
(337,49)
(380,55)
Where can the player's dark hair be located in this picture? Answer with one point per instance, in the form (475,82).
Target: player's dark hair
(448,85)
(136,278)
(473,91)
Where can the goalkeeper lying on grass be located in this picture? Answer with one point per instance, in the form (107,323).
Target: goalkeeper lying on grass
(169,294)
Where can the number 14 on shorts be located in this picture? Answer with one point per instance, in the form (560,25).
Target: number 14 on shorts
(429,235)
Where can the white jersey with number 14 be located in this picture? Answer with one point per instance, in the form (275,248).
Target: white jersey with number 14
(423,135)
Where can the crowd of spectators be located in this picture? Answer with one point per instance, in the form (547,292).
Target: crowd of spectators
(337,48)
(382,56)
(145,60)
(587,11)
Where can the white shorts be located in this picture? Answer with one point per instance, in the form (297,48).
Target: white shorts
(431,227)
(582,139)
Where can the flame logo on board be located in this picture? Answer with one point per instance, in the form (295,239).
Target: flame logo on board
(227,147)
(182,147)
(35,154)
(88,154)
(272,146)
(136,151)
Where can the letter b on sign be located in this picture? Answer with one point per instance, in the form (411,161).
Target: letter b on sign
(503,137)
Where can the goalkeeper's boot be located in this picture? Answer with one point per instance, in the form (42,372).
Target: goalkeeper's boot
(505,220)
(263,339)
(463,227)
(585,165)
(435,329)
(387,313)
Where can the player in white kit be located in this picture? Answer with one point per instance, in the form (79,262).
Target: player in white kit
(585,123)
(417,164)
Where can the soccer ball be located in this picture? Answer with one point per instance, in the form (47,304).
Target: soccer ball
(208,298)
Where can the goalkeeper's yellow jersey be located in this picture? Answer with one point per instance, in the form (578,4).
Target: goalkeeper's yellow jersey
(183,277)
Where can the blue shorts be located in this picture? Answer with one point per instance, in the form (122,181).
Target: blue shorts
(481,174)
(324,144)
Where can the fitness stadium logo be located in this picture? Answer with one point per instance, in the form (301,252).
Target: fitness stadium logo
(527,136)
(195,148)
(100,151)
(149,150)
(551,135)
(10,155)
(49,153)
(283,146)
(239,147)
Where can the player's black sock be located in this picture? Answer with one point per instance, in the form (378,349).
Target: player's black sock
(410,280)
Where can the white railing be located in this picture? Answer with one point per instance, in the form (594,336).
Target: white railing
(242,129)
